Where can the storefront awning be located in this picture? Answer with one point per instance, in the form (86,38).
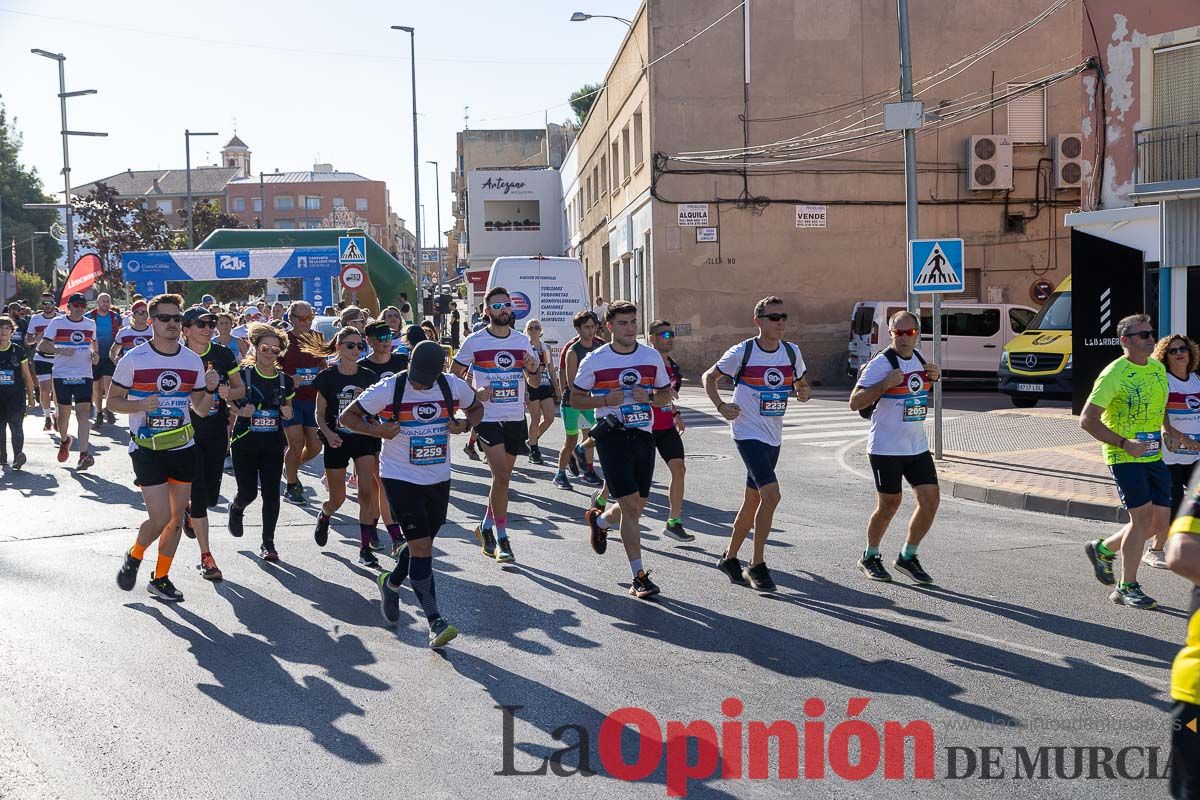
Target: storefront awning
(1132,226)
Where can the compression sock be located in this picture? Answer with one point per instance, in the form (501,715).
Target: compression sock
(394,531)
(636,566)
(870,552)
(365,531)
(138,551)
(501,524)
(163,566)
(674,521)
(1104,551)
(420,574)
(601,502)
(908,551)
(488,519)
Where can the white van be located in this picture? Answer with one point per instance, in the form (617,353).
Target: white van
(550,289)
(973,334)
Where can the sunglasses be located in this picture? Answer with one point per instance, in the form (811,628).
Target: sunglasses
(169,317)
(665,334)
(383,337)
(905,331)
(78,305)
(498,306)
(774,317)
(1143,335)
(141,312)
(1176,350)
(533,328)
(203,323)
(355,345)
(268,349)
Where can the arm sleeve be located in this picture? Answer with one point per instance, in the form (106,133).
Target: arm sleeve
(731,362)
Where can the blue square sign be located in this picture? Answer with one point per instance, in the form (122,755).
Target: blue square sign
(935,265)
(352,249)
(232,264)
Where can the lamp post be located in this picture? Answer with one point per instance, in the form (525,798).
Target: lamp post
(63,94)
(438,242)
(579,16)
(412,34)
(187,149)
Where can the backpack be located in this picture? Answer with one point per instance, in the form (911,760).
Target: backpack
(749,350)
(247,374)
(893,358)
(402,382)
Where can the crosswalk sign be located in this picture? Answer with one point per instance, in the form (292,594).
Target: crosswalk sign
(935,265)
(352,249)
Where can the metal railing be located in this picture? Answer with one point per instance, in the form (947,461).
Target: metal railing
(1167,153)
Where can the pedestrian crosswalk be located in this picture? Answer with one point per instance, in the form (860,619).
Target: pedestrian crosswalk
(818,423)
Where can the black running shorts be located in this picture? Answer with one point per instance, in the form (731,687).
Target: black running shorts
(669,444)
(154,468)
(627,457)
(352,447)
(420,510)
(918,470)
(510,434)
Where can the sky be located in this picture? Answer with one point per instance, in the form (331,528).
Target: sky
(306,82)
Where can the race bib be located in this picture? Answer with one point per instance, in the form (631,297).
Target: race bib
(637,415)
(505,392)
(306,375)
(425,451)
(7,378)
(164,419)
(343,404)
(1152,440)
(772,404)
(916,409)
(264,420)
(545,378)
(74,381)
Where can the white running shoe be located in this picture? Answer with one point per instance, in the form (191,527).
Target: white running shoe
(1155,558)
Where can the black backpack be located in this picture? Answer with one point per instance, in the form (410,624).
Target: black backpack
(402,382)
(894,359)
(748,350)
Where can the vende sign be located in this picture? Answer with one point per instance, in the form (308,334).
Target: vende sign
(693,215)
(811,216)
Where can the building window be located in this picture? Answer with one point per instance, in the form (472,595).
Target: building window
(284,203)
(239,204)
(625,147)
(360,204)
(164,206)
(639,154)
(604,175)
(339,202)
(1027,116)
(616,164)
(312,203)
(591,198)
(256,204)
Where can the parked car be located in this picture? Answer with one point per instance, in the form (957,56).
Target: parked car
(1037,364)
(973,334)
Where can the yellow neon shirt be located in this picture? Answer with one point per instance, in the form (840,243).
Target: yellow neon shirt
(1185,672)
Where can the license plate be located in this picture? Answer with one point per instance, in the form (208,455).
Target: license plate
(1030,387)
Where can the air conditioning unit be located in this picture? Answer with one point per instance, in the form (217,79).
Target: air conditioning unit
(1068,161)
(989,163)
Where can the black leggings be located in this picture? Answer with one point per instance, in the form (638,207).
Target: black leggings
(12,416)
(1181,476)
(206,483)
(257,465)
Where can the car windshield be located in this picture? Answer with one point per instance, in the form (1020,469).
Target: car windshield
(1055,315)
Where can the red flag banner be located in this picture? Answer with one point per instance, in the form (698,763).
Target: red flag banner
(85,272)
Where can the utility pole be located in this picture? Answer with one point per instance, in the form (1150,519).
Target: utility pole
(412,34)
(910,145)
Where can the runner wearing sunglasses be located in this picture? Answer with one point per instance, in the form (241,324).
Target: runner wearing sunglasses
(1127,413)
(43,362)
(72,342)
(897,383)
(337,387)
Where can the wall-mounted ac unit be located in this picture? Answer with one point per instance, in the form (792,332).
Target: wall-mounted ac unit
(1068,161)
(989,163)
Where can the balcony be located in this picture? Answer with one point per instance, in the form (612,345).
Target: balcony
(1167,162)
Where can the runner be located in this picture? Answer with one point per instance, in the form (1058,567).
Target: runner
(225,336)
(416,409)
(337,386)
(155,384)
(1183,558)
(1126,413)
(16,389)
(72,341)
(623,380)
(43,363)
(898,381)
(258,438)
(303,445)
(211,438)
(542,398)
(497,355)
(765,370)
(668,427)
(1181,356)
(573,354)
(395,323)
(108,323)
(137,331)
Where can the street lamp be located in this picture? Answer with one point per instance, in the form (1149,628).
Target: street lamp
(187,149)
(579,16)
(63,94)
(412,34)
(438,242)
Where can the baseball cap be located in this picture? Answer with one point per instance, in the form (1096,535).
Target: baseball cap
(378,330)
(78,297)
(426,362)
(138,304)
(197,313)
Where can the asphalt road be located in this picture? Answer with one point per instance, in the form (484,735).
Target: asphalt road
(281,680)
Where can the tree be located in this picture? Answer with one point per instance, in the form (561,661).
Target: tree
(151,229)
(582,98)
(207,217)
(18,186)
(104,223)
(30,287)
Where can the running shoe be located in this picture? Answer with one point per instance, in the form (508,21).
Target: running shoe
(163,589)
(389,599)
(86,459)
(599,535)
(208,568)
(110,416)
(535,455)
(487,541)
(64,447)
(18,461)
(441,633)
(321,533)
(235,522)
(471,452)
(759,577)
(97,422)
(732,569)
(560,480)
(1155,558)
(677,533)
(913,569)
(268,553)
(1132,596)
(48,425)
(504,553)
(591,478)
(188,530)
(400,553)
(580,457)
(873,568)
(642,587)
(127,575)
(1102,565)
(294,493)
(367,558)
(573,465)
